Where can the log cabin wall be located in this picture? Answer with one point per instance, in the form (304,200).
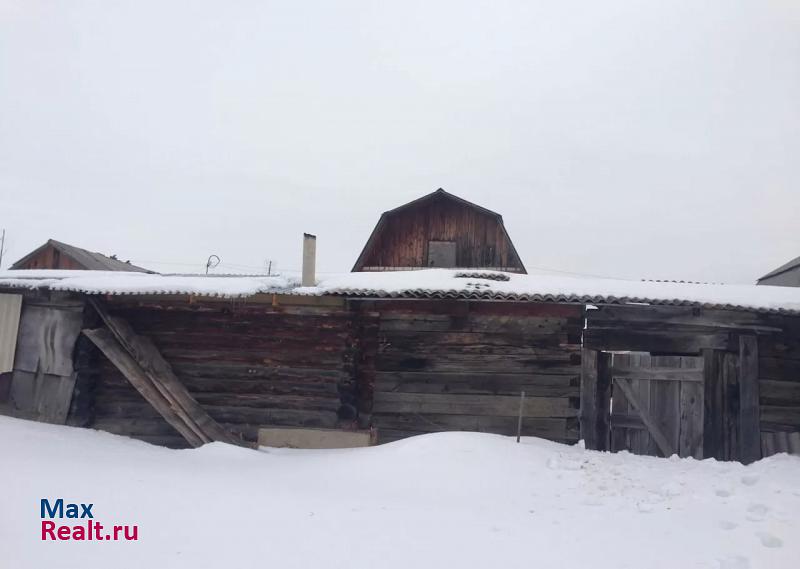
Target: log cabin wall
(459,365)
(248,364)
(779,388)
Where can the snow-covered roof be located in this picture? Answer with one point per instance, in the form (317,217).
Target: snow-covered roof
(429,283)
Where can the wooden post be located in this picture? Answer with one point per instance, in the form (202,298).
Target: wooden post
(749,421)
(519,419)
(588,411)
(713,405)
(603,401)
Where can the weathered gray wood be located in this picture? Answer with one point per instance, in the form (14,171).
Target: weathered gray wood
(551,428)
(158,370)
(730,410)
(659,373)
(105,340)
(713,403)
(749,421)
(665,402)
(691,420)
(676,342)
(655,431)
(777,392)
(10,309)
(588,407)
(536,385)
(40,396)
(603,401)
(780,417)
(47,335)
(676,317)
(500,405)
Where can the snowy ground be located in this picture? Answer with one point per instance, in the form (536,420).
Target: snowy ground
(447,500)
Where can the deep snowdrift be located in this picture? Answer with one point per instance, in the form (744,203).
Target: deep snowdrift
(446,500)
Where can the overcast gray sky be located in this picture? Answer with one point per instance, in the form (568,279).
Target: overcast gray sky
(618,138)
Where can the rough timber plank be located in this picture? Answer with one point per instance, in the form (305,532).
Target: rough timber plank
(713,404)
(588,409)
(503,406)
(104,340)
(652,426)
(749,421)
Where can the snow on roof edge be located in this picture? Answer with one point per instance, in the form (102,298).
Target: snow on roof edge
(422,284)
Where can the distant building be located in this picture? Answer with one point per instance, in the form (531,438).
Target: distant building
(439,230)
(57,255)
(785,275)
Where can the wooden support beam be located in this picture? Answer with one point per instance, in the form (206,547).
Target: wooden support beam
(713,405)
(655,431)
(145,354)
(749,420)
(603,401)
(116,354)
(588,412)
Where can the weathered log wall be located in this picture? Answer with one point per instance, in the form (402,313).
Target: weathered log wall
(457,365)
(248,365)
(779,388)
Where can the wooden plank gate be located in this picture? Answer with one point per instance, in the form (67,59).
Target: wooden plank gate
(656,405)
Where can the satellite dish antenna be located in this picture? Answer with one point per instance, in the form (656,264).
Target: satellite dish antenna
(212,262)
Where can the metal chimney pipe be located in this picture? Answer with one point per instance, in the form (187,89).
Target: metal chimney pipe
(309,259)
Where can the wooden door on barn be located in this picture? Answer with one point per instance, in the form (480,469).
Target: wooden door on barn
(657,404)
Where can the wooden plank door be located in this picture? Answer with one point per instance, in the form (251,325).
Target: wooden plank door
(657,404)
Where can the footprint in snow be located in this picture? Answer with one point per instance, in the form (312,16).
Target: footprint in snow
(645,507)
(728,525)
(670,490)
(757,512)
(723,492)
(750,479)
(769,540)
(735,562)
(592,502)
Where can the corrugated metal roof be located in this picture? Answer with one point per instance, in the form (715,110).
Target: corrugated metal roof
(425,284)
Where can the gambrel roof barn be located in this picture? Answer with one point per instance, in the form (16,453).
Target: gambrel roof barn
(439,230)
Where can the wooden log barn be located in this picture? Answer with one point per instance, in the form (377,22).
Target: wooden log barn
(653,368)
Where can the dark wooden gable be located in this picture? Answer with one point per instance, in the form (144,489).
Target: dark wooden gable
(439,230)
(57,255)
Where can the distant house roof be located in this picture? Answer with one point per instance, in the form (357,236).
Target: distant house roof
(793,264)
(87,259)
(435,195)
